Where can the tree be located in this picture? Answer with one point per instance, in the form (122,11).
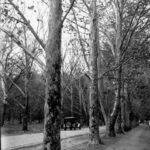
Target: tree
(26,80)
(128,25)
(52,106)
(94,137)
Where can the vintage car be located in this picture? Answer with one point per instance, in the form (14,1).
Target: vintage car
(71,123)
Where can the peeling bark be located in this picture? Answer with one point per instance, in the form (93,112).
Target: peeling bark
(52,123)
(94,137)
(116,107)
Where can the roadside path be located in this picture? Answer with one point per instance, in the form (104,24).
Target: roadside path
(16,141)
(137,139)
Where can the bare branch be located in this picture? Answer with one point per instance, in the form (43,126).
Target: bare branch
(78,24)
(18,103)
(72,3)
(109,40)
(21,91)
(88,8)
(137,7)
(42,65)
(13,18)
(80,40)
(28,24)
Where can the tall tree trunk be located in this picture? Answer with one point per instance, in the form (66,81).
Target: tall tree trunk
(26,97)
(123,101)
(71,100)
(123,114)
(80,99)
(4,90)
(101,88)
(94,137)
(20,118)
(9,116)
(101,93)
(0,138)
(127,109)
(52,123)
(62,107)
(25,115)
(3,113)
(119,119)
(116,107)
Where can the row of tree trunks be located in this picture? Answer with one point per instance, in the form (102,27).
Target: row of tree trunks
(53,87)
(52,123)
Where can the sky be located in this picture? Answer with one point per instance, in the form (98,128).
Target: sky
(37,13)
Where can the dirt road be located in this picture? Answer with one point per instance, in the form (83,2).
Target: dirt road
(137,139)
(69,138)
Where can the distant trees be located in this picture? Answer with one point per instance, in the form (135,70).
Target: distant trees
(18,66)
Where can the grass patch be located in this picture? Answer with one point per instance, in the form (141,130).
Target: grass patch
(16,129)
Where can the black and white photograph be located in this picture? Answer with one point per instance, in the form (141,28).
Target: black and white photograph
(74,74)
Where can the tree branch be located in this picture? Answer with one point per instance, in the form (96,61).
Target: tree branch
(88,8)
(42,65)
(19,103)
(80,40)
(21,91)
(72,3)
(28,24)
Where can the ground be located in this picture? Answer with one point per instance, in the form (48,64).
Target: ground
(137,139)
(32,140)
